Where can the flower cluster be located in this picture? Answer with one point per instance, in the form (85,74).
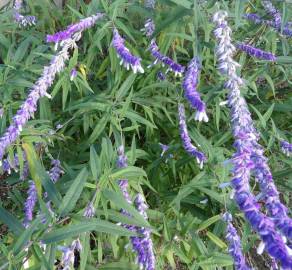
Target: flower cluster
(127,59)
(56,170)
(29,107)
(190,84)
(188,146)
(165,60)
(258,53)
(143,243)
(271,10)
(68,256)
(246,150)
(286,148)
(89,211)
(30,203)
(234,246)
(74,28)
(259,20)
(8,165)
(22,20)
(149,28)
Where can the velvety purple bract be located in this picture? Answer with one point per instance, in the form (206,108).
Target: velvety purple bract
(127,59)
(234,247)
(22,20)
(30,203)
(74,28)
(68,256)
(190,84)
(258,53)
(149,28)
(143,244)
(186,140)
(73,74)
(56,170)
(165,60)
(271,10)
(286,148)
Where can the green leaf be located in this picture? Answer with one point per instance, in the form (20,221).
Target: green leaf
(93,224)
(23,239)
(14,225)
(205,224)
(119,266)
(128,172)
(216,240)
(69,201)
(93,162)
(126,86)
(98,128)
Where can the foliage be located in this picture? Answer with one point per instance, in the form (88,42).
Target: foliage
(105,106)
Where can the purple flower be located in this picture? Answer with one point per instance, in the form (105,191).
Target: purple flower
(30,203)
(29,107)
(122,163)
(164,148)
(286,148)
(68,257)
(271,10)
(190,84)
(56,170)
(186,140)
(74,28)
(161,75)
(234,246)
(245,143)
(258,53)
(127,59)
(73,74)
(8,165)
(142,244)
(149,28)
(89,211)
(165,60)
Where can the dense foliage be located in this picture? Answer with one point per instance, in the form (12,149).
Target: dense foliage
(60,181)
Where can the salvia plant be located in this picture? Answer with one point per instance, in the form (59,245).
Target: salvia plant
(145,135)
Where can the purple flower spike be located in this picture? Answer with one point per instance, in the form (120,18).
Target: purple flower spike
(142,244)
(286,148)
(149,28)
(234,247)
(260,54)
(68,256)
(74,28)
(30,203)
(29,107)
(165,60)
(127,59)
(246,153)
(22,20)
(186,140)
(271,10)
(258,20)
(190,84)
(122,163)
(56,170)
